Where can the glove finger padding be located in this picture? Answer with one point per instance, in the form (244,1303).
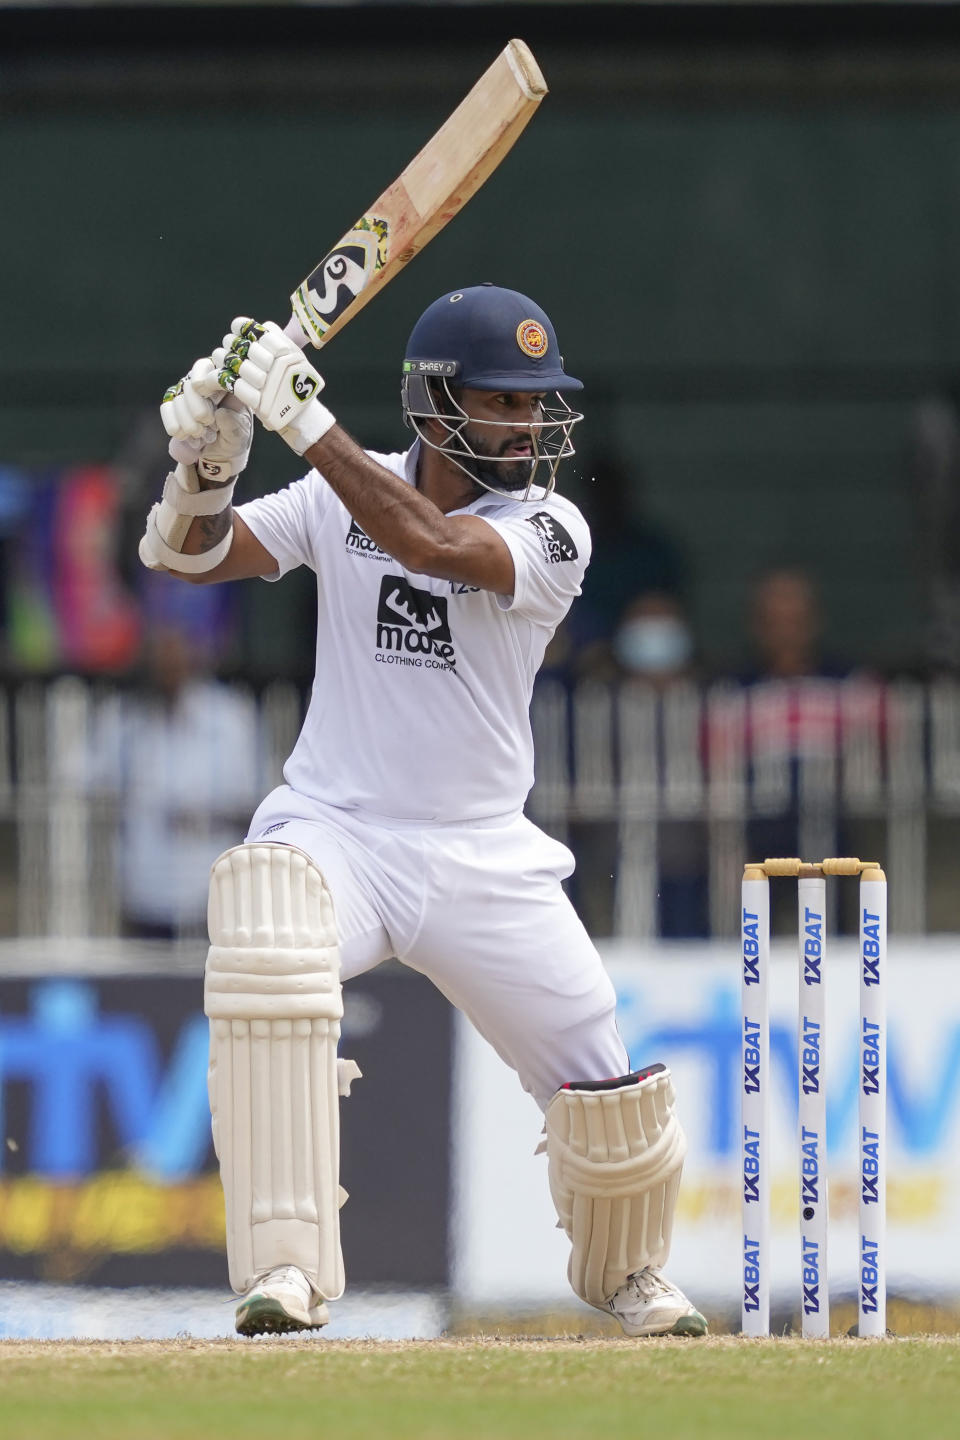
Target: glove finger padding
(203,377)
(187,409)
(258,354)
(267,371)
(244,327)
(615,1151)
(248,392)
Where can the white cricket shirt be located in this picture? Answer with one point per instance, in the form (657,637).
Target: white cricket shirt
(420,704)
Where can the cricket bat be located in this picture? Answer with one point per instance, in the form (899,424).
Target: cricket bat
(436,184)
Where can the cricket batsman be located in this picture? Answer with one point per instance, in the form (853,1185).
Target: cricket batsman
(442,572)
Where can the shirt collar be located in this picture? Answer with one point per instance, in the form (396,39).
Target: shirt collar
(411,462)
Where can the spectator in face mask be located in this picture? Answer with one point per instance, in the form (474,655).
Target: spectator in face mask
(632,556)
(652,641)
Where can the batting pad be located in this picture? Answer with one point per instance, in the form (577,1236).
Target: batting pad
(614,1151)
(273,998)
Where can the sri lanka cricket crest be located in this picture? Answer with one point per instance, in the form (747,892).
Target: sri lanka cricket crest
(340,277)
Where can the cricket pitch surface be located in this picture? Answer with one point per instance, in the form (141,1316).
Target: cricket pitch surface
(556,1388)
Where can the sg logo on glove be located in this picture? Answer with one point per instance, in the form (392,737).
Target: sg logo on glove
(304,386)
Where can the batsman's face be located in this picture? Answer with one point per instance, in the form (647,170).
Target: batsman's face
(502,430)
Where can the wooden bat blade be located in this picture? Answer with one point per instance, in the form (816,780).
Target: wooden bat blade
(432,189)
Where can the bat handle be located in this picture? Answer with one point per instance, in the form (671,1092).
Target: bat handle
(294,331)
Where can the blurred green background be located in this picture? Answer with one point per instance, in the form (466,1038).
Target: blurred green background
(745,227)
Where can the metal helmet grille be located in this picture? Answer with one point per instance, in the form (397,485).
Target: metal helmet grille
(496,340)
(551,436)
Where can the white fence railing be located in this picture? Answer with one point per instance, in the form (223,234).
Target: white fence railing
(67,793)
(828,759)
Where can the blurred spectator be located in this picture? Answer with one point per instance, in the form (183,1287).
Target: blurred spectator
(797,717)
(631,557)
(786,626)
(180,757)
(652,641)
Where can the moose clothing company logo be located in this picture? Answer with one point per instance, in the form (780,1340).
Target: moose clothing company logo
(359,543)
(555,542)
(412,626)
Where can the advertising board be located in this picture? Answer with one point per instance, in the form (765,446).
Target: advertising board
(681,1004)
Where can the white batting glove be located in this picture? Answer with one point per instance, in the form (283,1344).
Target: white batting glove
(266,371)
(225,456)
(208,429)
(188,407)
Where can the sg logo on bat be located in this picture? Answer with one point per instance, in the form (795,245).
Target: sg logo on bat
(341,276)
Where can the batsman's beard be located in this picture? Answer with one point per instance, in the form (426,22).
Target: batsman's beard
(488,466)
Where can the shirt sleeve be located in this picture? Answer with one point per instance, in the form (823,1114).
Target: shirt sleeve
(286,522)
(551,551)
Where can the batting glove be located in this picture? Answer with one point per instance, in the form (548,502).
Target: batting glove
(271,375)
(188,407)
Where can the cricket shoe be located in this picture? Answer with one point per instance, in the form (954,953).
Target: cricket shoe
(647,1304)
(281,1302)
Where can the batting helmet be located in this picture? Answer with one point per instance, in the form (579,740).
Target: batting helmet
(486,338)
(497,339)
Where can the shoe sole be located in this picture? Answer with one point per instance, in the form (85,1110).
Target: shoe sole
(263,1316)
(691,1327)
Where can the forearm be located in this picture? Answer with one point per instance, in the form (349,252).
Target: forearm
(266,371)
(206,532)
(245,559)
(394,514)
(231,549)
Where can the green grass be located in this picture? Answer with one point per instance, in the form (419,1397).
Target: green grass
(555,1389)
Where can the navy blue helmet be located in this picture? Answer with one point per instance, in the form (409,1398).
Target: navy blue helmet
(487,338)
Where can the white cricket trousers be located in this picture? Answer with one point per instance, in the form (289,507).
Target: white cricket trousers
(480,911)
